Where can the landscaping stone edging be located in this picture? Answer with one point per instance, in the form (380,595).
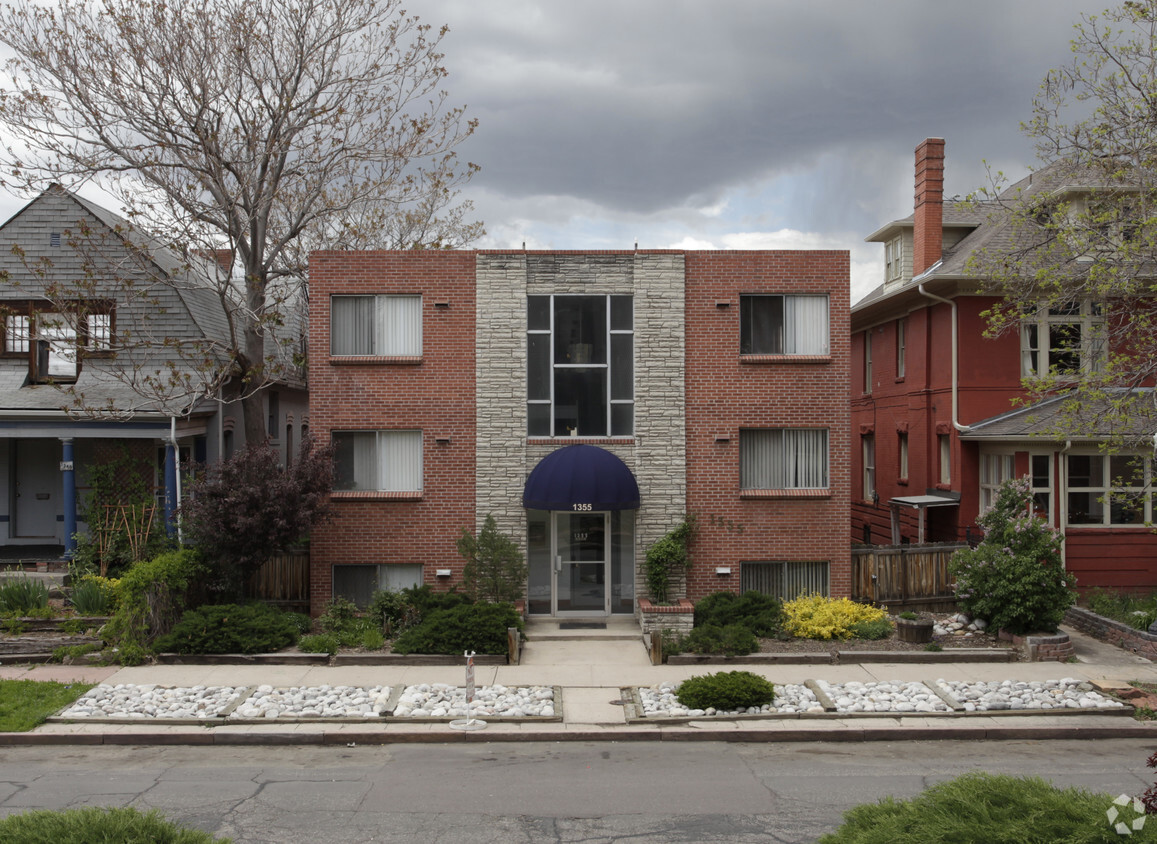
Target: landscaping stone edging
(950,655)
(1112,632)
(678,617)
(1042,647)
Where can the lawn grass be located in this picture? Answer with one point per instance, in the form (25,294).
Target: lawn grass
(25,704)
(95,824)
(993,809)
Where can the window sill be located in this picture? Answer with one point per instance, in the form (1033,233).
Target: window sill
(374,495)
(580,440)
(900,379)
(901,481)
(784,493)
(376,360)
(764,359)
(944,487)
(1133,530)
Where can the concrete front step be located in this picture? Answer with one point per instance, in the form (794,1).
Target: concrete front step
(623,629)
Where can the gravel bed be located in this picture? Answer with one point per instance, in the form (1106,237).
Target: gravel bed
(440,700)
(895,698)
(1046,694)
(126,700)
(314,702)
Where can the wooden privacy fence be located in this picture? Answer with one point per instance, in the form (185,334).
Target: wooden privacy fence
(904,576)
(283,580)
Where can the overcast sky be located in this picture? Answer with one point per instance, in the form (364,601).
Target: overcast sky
(737,123)
(699,124)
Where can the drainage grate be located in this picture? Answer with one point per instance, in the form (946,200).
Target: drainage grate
(582,625)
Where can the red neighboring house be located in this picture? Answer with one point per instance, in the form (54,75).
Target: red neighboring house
(587,400)
(933,411)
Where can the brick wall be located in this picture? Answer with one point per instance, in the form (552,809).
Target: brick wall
(726,393)
(434,394)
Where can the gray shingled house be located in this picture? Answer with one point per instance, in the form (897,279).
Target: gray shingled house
(111,345)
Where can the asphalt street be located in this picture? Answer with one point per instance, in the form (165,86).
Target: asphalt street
(535,792)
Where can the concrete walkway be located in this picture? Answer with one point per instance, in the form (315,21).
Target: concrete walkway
(592,669)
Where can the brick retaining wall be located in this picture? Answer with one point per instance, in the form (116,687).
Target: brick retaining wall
(1112,632)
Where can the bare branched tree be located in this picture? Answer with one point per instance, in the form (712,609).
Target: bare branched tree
(1076,261)
(262,127)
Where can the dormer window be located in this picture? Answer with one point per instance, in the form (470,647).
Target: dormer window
(54,342)
(894,259)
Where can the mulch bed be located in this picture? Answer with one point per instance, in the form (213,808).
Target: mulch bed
(892,643)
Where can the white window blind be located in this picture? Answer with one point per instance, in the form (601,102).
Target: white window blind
(787,458)
(805,325)
(386,461)
(376,325)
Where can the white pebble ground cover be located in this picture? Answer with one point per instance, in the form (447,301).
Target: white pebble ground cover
(895,698)
(267,702)
(439,700)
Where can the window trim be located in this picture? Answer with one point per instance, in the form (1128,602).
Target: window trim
(944,450)
(901,348)
(1105,490)
(902,457)
(1090,319)
(868,362)
(868,453)
(894,259)
(76,318)
(988,483)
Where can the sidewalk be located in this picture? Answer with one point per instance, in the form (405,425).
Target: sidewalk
(593,677)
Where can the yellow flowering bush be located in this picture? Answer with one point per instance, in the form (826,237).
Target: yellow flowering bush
(817,617)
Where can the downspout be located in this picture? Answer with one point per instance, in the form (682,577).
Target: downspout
(955,348)
(1062,503)
(172,481)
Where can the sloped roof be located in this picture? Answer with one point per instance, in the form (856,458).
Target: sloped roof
(1096,419)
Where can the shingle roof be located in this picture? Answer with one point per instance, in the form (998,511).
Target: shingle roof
(1095,419)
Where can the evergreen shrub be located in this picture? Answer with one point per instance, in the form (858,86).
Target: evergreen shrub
(466,627)
(759,613)
(726,690)
(230,629)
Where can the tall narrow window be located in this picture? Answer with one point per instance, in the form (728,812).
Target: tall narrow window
(902,450)
(869,453)
(995,469)
(783,458)
(387,461)
(17,334)
(868,361)
(901,347)
(580,373)
(945,448)
(56,350)
(376,325)
(1041,466)
(783,325)
(894,259)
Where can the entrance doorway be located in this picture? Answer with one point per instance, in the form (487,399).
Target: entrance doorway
(581,564)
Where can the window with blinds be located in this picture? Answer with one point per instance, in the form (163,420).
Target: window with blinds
(382,461)
(383,326)
(786,579)
(783,458)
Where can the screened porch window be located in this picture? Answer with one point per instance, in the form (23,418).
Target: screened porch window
(783,458)
(382,461)
(376,325)
(783,325)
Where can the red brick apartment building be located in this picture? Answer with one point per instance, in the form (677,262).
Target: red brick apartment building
(588,400)
(933,416)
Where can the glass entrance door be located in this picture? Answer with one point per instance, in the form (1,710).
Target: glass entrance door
(581,561)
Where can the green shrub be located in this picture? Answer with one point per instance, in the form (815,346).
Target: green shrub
(466,627)
(993,808)
(666,558)
(817,617)
(759,613)
(908,615)
(727,690)
(230,629)
(92,596)
(94,824)
(424,599)
(319,643)
(1015,579)
(150,597)
(1135,610)
(877,628)
(23,595)
(337,614)
(732,640)
(64,652)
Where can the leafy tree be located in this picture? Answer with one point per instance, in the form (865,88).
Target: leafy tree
(495,569)
(246,130)
(1094,125)
(1015,579)
(244,509)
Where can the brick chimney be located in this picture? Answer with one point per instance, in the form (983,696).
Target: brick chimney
(928,233)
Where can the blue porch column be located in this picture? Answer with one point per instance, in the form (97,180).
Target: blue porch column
(68,482)
(170,489)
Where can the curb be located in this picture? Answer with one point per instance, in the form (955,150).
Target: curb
(889,729)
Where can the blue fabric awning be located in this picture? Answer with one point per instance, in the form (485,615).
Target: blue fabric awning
(581,477)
